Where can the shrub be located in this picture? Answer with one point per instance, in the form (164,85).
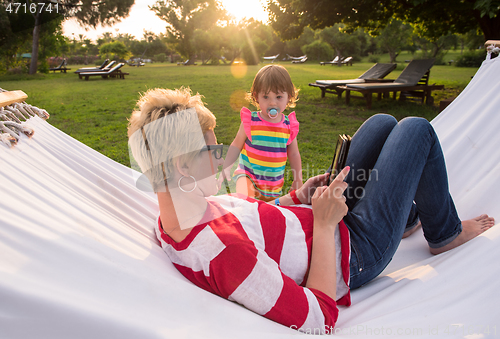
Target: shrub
(43,67)
(54,61)
(162,57)
(318,50)
(16,70)
(99,61)
(76,60)
(471,59)
(374,58)
(84,60)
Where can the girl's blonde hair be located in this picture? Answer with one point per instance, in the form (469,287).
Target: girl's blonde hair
(168,125)
(273,78)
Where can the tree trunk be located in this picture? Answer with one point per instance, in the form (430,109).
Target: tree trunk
(36,38)
(490,27)
(392,56)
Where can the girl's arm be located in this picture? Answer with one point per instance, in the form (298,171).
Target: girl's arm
(235,149)
(295,163)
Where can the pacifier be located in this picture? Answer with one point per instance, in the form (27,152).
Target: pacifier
(272,112)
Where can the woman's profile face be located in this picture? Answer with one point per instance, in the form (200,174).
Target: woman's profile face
(206,166)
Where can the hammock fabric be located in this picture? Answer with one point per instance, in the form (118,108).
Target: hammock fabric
(79,258)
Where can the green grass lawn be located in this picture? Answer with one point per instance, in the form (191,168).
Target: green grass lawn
(95,112)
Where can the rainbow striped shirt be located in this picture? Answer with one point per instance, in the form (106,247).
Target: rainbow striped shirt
(263,157)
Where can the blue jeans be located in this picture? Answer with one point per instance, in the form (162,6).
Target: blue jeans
(398,176)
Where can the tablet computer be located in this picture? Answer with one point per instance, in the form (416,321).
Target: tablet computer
(339,157)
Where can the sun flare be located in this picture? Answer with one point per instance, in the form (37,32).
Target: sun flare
(248,8)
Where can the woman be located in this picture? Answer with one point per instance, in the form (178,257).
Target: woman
(293,264)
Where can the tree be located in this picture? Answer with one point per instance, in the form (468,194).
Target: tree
(256,39)
(470,40)
(16,30)
(232,41)
(342,42)
(318,50)
(184,17)
(87,13)
(294,47)
(14,33)
(117,48)
(437,48)
(435,17)
(394,37)
(206,45)
(51,42)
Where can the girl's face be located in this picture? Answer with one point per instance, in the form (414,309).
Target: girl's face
(268,101)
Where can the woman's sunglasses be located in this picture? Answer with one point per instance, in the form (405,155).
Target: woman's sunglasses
(216,150)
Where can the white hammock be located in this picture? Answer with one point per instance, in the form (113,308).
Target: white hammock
(79,259)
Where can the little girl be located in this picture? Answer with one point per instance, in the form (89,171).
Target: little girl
(265,138)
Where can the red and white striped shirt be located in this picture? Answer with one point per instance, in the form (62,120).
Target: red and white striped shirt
(258,255)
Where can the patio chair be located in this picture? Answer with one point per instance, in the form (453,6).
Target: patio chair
(414,79)
(97,69)
(62,67)
(335,61)
(376,73)
(115,72)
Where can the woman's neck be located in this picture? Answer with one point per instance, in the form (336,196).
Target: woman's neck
(180,212)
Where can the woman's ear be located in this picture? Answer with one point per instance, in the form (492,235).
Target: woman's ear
(182,167)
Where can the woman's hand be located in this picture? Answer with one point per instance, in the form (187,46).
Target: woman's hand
(306,191)
(328,202)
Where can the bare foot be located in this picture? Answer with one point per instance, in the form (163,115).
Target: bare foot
(410,232)
(470,229)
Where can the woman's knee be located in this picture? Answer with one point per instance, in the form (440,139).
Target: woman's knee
(380,124)
(417,129)
(417,124)
(383,120)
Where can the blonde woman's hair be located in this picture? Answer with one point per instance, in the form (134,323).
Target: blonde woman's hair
(273,78)
(167,125)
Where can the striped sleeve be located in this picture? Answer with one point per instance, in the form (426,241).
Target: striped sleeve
(250,277)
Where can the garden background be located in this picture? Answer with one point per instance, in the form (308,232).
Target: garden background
(95,112)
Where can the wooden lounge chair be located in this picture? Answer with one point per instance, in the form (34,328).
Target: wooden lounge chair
(186,63)
(272,58)
(62,67)
(300,61)
(376,73)
(335,61)
(102,66)
(137,62)
(96,69)
(115,72)
(413,81)
(347,61)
